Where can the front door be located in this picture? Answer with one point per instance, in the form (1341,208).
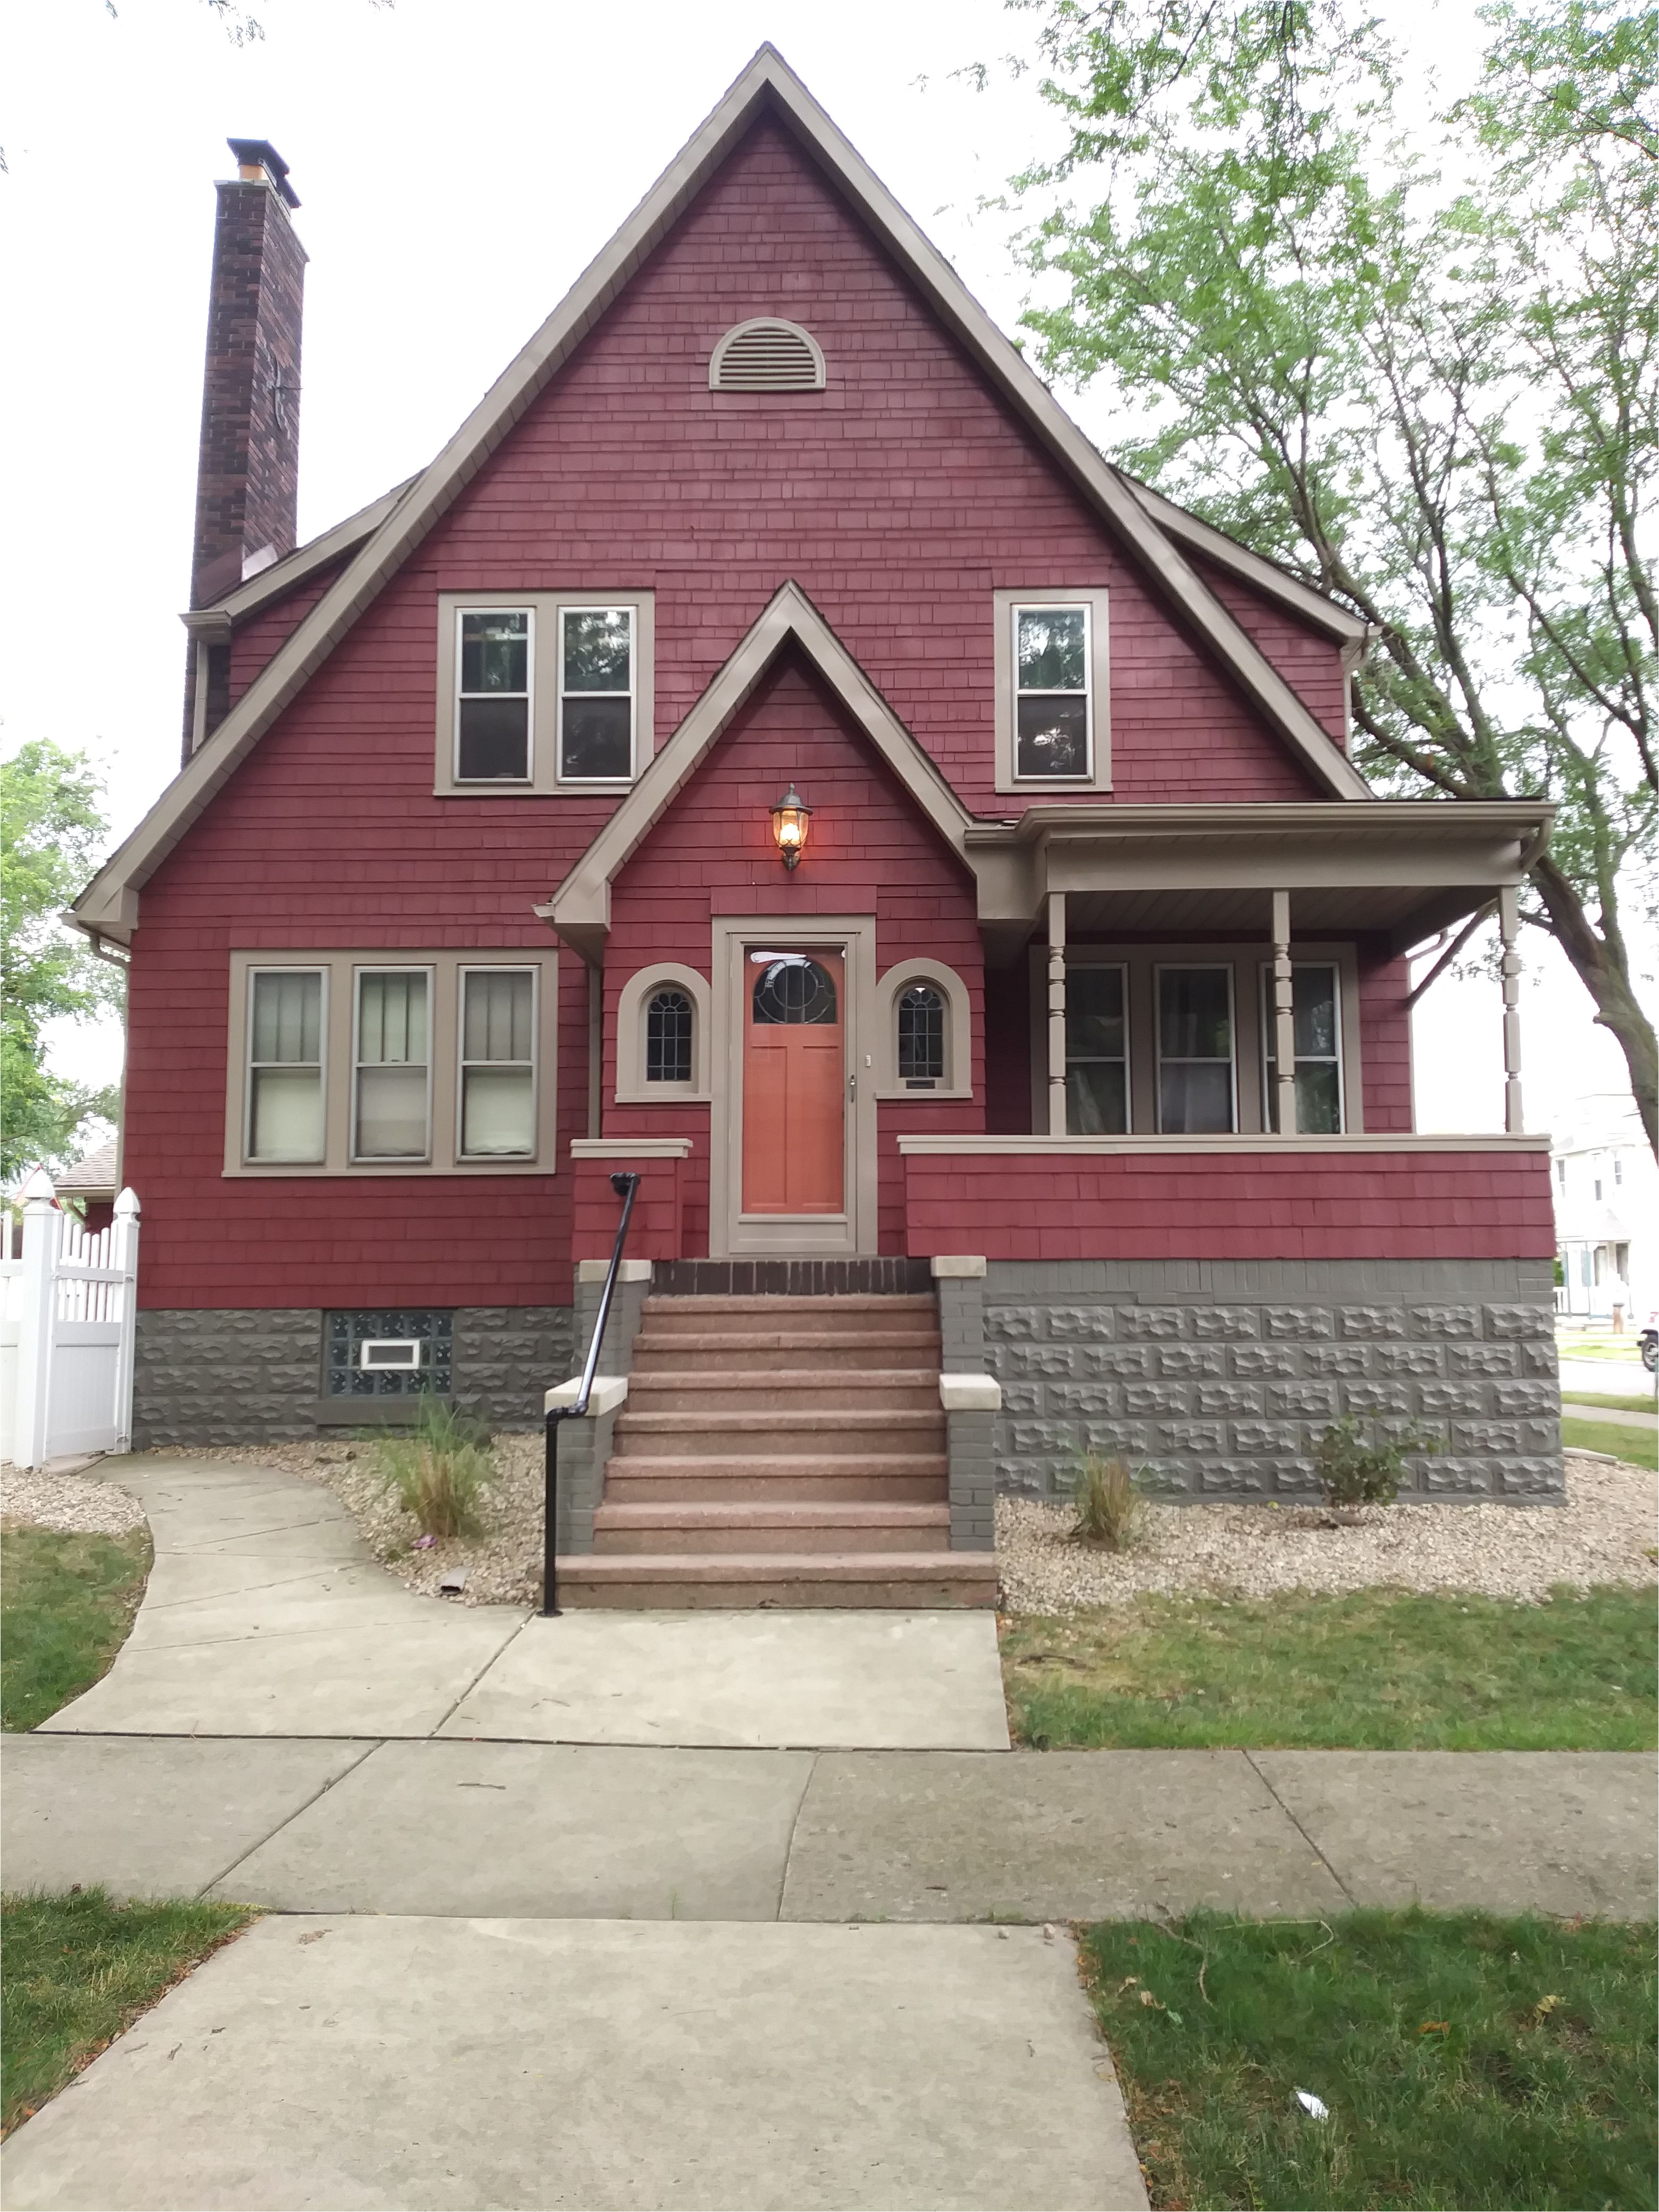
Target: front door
(794,1083)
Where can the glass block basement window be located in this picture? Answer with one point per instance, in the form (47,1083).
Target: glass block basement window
(409,1350)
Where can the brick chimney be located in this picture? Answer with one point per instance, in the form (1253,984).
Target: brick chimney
(247,474)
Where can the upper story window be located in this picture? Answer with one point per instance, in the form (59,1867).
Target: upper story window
(767,354)
(346,1063)
(596,695)
(542,691)
(1317,1016)
(1050,669)
(492,705)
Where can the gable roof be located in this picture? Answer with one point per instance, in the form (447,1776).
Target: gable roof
(580,908)
(767,88)
(304,561)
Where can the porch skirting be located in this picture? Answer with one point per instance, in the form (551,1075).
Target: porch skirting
(1219,1376)
(213,1376)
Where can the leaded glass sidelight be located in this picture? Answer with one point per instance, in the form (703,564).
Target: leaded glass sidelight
(1053,733)
(492,732)
(498,1063)
(596,694)
(668,1019)
(390,1116)
(285,1065)
(921,1037)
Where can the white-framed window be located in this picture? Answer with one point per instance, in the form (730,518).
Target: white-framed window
(1096,1049)
(287,1044)
(1316,1001)
(541,692)
(392,1064)
(496,1110)
(597,671)
(494,665)
(1052,675)
(1197,1074)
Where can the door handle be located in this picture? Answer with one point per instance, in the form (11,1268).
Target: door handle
(851,1086)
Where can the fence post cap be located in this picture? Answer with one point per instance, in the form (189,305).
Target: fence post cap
(38,1189)
(126,1207)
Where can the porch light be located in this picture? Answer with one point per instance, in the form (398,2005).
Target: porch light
(789,819)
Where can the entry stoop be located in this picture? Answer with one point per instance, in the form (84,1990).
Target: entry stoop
(781,1451)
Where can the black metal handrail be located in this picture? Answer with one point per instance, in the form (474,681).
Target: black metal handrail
(626,1186)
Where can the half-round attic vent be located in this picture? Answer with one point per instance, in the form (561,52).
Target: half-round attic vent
(766,355)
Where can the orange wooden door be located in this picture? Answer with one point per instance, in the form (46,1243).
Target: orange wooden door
(794,1077)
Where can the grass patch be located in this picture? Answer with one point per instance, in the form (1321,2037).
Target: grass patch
(439,1469)
(1465,2060)
(1637,1447)
(1373,1670)
(78,1969)
(1648,1405)
(66,1603)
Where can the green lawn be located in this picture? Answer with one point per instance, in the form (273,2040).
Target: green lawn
(1466,2061)
(1644,1405)
(76,1970)
(1639,1447)
(66,1603)
(1376,1670)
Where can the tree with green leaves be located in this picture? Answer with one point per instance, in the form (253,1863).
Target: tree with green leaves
(1422,376)
(51,834)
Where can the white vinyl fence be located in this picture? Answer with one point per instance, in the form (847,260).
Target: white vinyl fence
(68,1306)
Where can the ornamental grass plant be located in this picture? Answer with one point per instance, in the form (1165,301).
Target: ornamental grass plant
(1107,1501)
(439,1469)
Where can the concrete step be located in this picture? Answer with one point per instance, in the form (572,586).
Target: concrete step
(921,1582)
(794,1394)
(771,1526)
(708,1317)
(766,1350)
(733,1435)
(915,1477)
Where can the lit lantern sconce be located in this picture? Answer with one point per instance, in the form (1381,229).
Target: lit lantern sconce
(789,819)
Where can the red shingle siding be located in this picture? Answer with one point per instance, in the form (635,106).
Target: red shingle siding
(1221,1206)
(1385,1040)
(259,640)
(1308,660)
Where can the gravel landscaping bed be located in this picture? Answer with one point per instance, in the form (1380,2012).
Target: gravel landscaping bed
(1605,1533)
(35,1497)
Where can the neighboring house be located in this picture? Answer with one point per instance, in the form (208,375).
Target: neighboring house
(771,750)
(1607,1212)
(90,1186)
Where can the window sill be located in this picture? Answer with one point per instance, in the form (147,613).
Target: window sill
(664,1094)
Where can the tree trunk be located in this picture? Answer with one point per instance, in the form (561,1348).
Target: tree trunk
(1604,975)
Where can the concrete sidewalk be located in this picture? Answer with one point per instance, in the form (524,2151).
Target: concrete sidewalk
(597,1832)
(266,1615)
(316,2065)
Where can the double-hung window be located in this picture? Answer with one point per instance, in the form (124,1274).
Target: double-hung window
(498,1063)
(1317,1019)
(1197,1093)
(597,668)
(391,1105)
(1096,1051)
(1052,693)
(493,727)
(286,1032)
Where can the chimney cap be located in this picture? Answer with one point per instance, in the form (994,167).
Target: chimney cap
(260,154)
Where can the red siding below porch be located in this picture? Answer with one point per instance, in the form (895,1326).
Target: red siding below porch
(1232,1205)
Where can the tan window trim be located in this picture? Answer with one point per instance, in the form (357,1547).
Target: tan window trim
(339,969)
(1095,597)
(958,1081)
(636,993)
(544,609)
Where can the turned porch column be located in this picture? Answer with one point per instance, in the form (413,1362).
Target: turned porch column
(1283,1015)
(1056,1013)
(1508,927)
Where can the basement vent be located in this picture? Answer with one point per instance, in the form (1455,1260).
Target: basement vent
(766,355)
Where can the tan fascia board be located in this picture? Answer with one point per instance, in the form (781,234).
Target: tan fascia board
(1527,820)
(769,84)
(1351,631)
(580,910)
(1058,1148)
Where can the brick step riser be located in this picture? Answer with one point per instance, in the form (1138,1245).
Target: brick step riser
(832,1316)
(725,1540)
(783,1595)
(889,1436)
(636,1482)
(795,1399)
(655,1355)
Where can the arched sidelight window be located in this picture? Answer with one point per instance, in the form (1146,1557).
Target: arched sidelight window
(662,1036)
(926,1038)
(670,1017)
(921,1036)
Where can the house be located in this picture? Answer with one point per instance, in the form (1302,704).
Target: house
(1607,1202)
(90,1186)
(771,752)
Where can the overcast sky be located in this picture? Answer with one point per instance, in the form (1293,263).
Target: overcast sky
(458,162)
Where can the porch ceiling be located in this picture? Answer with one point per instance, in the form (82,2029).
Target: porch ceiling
(1398,869)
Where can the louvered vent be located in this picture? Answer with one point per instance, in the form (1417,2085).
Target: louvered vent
(766,355)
